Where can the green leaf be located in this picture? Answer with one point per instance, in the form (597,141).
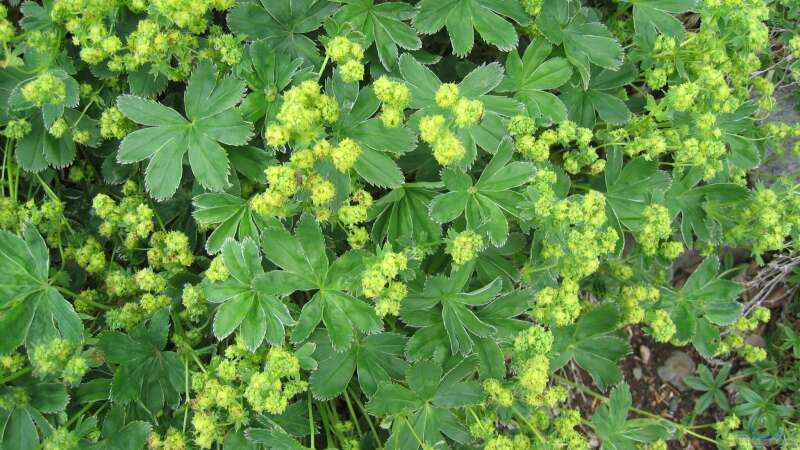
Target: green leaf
(39,149)
(357,122)
(231,214)
(529,78)
(594,345)
(443,297)
(460,17)
(632,187)
(212,120)
(50,112)
(378,359)
(600,98)
(34,310)
(282,24)
(392,399)
(586,41)
(303,254)
(653,16)
(250,298)
(614,429)
(705,295)
(490,200)
(268,74)
(382,24)
(691,201)
(303,257)
(145,373)
(403,214)
(426,406)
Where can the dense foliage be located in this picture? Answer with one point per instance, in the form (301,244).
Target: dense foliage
(348,224)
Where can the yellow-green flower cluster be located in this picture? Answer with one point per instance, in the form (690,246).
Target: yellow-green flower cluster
(631,302)
(159,46)
(90,256)
(447,148)
(282,185)
(190,14)
(544,194)
(114,124)
(727,436)
(558,305)
(9,214)
(589,237)
(133,313)
(169,249)
(48,218)
(766,221)
(59,358)
(531,363)
(11,364)
(61,439)
(17,128)
(750,323)
(173,439)
(532,7)
(228,48)
(7,31)
(267,391)
(567,134)
(501,442)
(498,393)
(565,435)
(45,89)
(447,95)
(464,247)
(118,283)
(302,117)
(394,97)
(219,400)
(521,125)
(216,270)
(354,212)
(735,342)
(345,154)
(662,328)
(466,112)
(348,55)
(131,219)
(193,299)
(379,282)
(656,228)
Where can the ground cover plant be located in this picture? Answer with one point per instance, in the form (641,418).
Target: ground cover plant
(368,224)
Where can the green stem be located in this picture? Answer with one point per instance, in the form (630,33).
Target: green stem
(15,375)
(529,424)
(88,301)
(325,425)
(352,412)
(322,67)
(186,386)
(367,418)
(311,432)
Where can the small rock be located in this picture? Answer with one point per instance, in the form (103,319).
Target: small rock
(674,403)
(755,340)
(676,368)
(637,373)
(644,353)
